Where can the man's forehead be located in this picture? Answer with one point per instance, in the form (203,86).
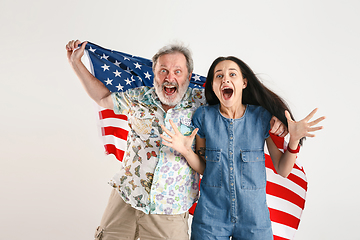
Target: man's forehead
(176,58)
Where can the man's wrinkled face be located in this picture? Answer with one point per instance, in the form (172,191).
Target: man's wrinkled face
(171,78)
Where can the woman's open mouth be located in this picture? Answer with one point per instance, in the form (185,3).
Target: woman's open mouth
(227,93)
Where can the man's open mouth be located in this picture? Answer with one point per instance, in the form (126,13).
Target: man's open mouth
(227,93)
(170,89)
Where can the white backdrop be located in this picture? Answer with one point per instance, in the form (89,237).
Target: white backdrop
(53,172)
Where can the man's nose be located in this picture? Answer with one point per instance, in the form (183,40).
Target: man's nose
(170,77)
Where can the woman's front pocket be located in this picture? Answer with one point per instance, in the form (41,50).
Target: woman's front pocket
(253,174)
(213,171)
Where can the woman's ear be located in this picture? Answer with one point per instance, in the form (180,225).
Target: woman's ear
(245,83)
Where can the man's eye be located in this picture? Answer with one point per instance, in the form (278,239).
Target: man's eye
(163,70)
(178,71)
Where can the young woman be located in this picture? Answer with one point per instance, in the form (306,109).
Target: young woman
(231,133)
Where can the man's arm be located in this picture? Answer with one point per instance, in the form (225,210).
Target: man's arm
(93,86)
(277,127)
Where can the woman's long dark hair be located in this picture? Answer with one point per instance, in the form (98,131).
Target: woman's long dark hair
(255,92)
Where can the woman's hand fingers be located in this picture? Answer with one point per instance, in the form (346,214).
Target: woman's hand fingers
(167,131)
(317,121)
(308,117)
(166,138)
(303,128)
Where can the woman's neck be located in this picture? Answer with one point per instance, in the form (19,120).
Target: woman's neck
(233,112)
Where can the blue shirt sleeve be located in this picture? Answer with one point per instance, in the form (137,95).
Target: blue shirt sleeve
(197,121)
(267,117)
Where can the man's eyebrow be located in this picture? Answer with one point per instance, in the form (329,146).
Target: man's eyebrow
(174,66)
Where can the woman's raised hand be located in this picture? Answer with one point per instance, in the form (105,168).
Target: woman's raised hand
(303,128)
(177,141)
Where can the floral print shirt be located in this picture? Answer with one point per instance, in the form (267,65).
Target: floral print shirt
(154,178)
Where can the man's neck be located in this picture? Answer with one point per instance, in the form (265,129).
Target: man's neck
(166,107)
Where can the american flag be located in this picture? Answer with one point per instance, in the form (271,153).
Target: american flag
(120,71)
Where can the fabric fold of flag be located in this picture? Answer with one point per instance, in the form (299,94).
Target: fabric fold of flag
(121,71)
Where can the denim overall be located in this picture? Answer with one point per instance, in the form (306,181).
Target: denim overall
(232,194)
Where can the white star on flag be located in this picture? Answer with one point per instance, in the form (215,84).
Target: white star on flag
(104,56)
(92,49)
(117,63)
(137,65)
(147,75)
(105,67)
(117,73)
(196,77)
(108,81)
(128,82)
(119,87)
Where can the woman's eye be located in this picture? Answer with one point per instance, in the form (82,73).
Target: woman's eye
(232,74)
(219,76)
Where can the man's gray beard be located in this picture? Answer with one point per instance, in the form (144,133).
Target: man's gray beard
(165,100)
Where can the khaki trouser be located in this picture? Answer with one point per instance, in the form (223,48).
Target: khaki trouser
(121,221)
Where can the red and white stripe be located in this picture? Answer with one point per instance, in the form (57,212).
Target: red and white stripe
(114,132)
(285,196)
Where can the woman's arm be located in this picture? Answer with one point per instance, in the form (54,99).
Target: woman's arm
(284,162)
(183,144)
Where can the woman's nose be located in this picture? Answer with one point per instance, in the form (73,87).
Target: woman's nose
(225,80)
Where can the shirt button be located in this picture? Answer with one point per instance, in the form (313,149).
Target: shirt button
(233,199)
(230,153)
(231,138)
(232,184)
(231,168)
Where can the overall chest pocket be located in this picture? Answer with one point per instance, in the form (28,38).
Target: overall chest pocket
(213,171)
(253,174)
